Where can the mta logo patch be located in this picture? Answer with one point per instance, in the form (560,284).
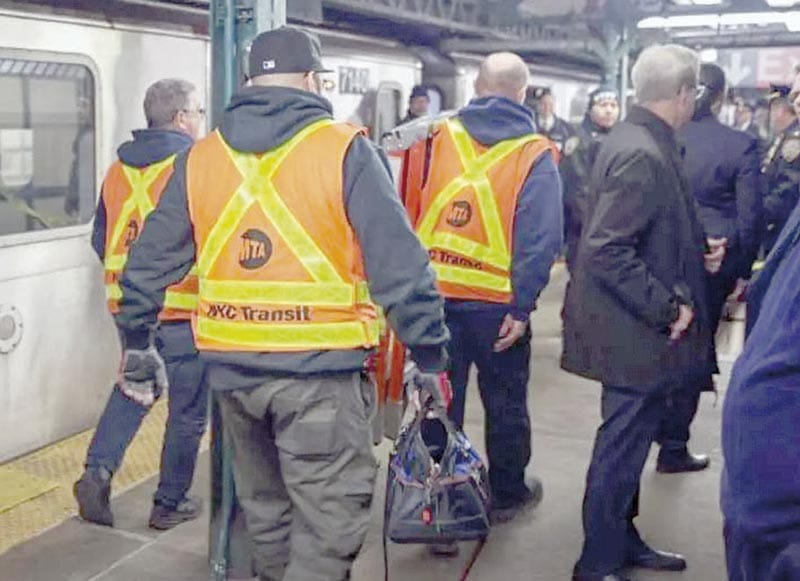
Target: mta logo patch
(255,250)
(131,233)
(460,214)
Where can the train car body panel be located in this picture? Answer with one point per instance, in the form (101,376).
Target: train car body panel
(55,378)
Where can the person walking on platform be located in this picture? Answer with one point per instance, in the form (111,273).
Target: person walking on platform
(634,312)
(781,166)
(722,166)
(132,187)
(489,214)
(579,154)
(298,236)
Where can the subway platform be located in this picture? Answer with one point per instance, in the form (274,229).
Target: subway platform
(678,512)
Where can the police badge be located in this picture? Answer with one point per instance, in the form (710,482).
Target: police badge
(571,144)
(790,150)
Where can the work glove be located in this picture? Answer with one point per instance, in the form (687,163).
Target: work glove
(435,387)
(143,375)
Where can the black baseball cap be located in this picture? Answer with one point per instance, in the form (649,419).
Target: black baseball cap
(285,50)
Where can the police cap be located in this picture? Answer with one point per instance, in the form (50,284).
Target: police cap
(778,91)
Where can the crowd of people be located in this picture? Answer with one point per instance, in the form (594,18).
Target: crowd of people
(261,261)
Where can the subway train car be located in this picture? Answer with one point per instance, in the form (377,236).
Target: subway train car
(71,89)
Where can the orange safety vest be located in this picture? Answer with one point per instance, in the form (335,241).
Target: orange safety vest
(466,208)
(129,195)
(278,263)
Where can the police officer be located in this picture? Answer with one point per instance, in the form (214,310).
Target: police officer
(489,214)
(298,235)
(760,498)
(547,123)
(781,166)
(722,166)
(579,154)
(132,187)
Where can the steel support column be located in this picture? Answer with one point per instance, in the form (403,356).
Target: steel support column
(233,24)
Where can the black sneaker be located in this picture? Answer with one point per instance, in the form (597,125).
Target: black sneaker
(92,492)
(163,517)
(505,510)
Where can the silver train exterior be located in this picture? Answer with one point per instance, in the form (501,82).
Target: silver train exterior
(71,90)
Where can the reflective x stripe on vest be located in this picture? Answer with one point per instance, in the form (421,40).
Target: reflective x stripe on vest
(327,288)
(496,252)
(139,201)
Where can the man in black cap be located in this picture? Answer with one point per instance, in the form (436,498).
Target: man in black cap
(781,166)
(418,103)
(547,122)
(579,154)
(297,236)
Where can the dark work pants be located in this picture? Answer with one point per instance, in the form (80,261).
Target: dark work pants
(186,420)
(683,401)
(304,471)
(630,417)
(503,384)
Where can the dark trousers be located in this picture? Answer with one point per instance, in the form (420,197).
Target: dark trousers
(186,420)
(683,401)
(503,384)
(750,560)
(304,471)
(631,417)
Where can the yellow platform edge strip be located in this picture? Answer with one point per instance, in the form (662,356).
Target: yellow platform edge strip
(36,489)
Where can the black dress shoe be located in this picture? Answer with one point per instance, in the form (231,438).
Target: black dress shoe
(505,510)
(674,461)
(599,577)
(658,561)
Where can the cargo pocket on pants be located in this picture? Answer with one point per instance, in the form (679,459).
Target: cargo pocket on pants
(314,431)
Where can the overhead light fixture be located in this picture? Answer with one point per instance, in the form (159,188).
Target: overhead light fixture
(699,2)
(790,19)
(781,3)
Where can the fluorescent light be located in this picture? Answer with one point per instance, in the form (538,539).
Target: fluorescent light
(781,3)
(707,2)
(790,19)
(682,21)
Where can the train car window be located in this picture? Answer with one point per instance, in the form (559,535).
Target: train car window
(47,145)
(388,108)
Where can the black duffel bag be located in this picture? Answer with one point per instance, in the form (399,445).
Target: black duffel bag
(437,488)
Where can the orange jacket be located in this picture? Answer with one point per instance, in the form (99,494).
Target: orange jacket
(278,263)
(130,194)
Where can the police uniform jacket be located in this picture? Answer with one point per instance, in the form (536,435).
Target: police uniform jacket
(640,256)
(580,152)
(781,169)
(723,170)
(559,133)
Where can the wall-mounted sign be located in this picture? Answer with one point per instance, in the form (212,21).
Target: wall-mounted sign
(353,80)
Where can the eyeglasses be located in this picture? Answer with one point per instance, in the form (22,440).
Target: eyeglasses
(200,111)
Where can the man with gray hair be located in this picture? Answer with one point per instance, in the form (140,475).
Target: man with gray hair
(634,313)
(130,190)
